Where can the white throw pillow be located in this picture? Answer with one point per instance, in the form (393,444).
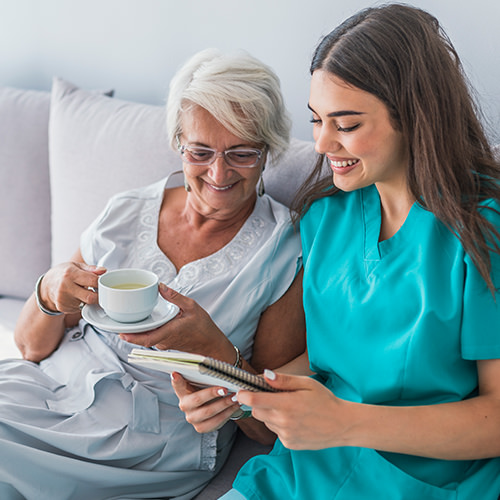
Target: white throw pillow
(24,190)
(98,147)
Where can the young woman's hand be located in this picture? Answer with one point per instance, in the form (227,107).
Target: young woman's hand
(305,416)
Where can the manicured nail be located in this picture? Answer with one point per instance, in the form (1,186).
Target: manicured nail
(221,392)
(234,399)
(270,374)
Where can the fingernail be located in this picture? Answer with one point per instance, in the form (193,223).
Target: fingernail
(234,399)
(221,392)
(163,286)
(269,374)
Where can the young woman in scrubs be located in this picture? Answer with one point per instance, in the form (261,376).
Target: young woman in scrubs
(401,272)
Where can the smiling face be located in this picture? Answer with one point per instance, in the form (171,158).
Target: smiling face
(217,190)
(354,130)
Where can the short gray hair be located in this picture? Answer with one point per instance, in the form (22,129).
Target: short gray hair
(239,91)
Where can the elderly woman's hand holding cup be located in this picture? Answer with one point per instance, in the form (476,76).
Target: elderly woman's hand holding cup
(67,287)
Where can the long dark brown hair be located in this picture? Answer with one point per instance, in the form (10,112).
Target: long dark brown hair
(401,55)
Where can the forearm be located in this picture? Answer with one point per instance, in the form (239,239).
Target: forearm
(280,336)
(308,416)
(462,430)
(297,366)
(36,334)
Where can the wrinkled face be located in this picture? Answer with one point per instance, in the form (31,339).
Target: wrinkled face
(353,129)
(218,190)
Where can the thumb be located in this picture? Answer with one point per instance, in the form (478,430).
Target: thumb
(172,296)
(285,382)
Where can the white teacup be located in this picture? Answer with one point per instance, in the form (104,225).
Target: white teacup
(128,295)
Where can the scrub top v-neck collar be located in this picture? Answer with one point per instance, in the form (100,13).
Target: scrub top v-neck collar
(375,250)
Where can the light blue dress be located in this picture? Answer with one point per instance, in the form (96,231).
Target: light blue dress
(398,322)
(84,423)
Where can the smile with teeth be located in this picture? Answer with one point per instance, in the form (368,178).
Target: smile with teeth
(344,163)
(222,188)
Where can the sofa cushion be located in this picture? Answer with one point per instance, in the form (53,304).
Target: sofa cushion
(100,146)
(24,190)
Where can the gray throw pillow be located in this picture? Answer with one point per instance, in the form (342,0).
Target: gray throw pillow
(283,179)
(24,190)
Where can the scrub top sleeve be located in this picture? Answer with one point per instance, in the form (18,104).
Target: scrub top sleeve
(481,310)
(309,224)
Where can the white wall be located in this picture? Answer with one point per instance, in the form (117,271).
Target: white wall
(135,46)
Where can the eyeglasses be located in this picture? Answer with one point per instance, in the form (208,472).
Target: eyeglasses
(237,157)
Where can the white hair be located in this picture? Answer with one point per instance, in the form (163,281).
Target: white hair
(239,91)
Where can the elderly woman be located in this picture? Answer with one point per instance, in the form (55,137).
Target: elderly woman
(84,422)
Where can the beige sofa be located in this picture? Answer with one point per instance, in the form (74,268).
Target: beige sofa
(62,155)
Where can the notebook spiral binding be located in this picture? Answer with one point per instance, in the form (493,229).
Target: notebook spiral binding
(230,373)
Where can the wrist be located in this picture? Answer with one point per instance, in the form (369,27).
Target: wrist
(354,421)
(39,301)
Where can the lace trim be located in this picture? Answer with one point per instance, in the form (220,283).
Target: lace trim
(146,250)
(149,254)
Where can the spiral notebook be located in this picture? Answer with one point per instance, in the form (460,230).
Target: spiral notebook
(200,369)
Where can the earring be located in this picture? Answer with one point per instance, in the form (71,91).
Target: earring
(261,190)
(187,187)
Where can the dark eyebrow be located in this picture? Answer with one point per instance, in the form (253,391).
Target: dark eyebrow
(335,114)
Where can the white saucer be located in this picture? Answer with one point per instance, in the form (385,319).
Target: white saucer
(163,312)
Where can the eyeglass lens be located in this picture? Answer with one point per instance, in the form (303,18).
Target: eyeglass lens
(234,157)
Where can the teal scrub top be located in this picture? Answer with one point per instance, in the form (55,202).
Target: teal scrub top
(398,322)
